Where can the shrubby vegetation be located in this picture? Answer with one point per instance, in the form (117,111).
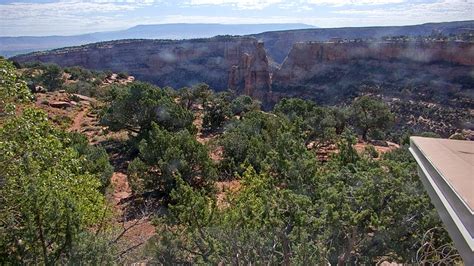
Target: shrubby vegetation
(12,89)
(370,115)
(356,208)
(164,155)
(96,159)
(353,210)
(48,198)
(289,207)
(135,107)
(51,77)
(292,209)
(49,187)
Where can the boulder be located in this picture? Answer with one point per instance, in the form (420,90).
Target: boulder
(60,104)
(38,89)
(84,98)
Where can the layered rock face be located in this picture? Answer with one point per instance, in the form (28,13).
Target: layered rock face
(238,62)
(279,43)
(306,59)
(252,73)
(327,72)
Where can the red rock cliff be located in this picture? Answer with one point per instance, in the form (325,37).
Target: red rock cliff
(304,58)
(219,61)
(252,73)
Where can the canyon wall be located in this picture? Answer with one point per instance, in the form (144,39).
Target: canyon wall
(306,59)
(279,43)
(324,71)
(239,63)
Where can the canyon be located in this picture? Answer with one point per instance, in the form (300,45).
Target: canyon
(279,43)
(323,71)
(239,63)
(332,72)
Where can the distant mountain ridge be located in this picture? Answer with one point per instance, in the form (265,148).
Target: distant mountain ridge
(10,46)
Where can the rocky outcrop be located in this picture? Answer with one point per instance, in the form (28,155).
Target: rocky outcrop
(60,104)
(252,73)
(307,58)
(219,62)
(279,43)
(328,72)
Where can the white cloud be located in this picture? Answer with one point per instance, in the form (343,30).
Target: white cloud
(261,4)
(68,17)
(240,4)
(443,10)
(140,2)
(354,2)
(56,17)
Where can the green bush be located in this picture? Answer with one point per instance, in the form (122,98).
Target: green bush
(371,151)
(47,198)
(137,105)
(165,155)
(96,159)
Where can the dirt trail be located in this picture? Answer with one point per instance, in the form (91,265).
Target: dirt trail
(78,120)
(121,187)
(137,230)
(198,124)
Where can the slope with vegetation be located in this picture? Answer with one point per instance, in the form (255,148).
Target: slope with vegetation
(267,198)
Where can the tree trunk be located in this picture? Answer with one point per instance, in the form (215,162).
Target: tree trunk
(364,134)
(349,245)
(39,225)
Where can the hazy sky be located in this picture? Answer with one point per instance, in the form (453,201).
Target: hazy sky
(68,17)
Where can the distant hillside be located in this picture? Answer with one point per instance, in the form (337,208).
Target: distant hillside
(279,43)
(10,46)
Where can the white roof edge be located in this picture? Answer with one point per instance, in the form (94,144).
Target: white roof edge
(462,229)
(471,211)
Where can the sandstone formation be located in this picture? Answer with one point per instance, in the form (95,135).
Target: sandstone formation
(252,73)
(60,104)
(327,72)
(305,59)
(279,43)
(239,62)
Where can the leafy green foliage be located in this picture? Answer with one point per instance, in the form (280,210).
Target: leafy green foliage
(79,73)
(371,151)
(75,79)
(86,88)
(352,209)
(289,208)
(136,106)
(122,75)
(249,141)
(369,114)
(216,112)
(96,159)
(12,89)
(271,143)
(244,104)
(198,94)
(317,123)
(262,225)
(52,77)
(165,155)
(47,199)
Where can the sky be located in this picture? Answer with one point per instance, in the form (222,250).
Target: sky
(70,17)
